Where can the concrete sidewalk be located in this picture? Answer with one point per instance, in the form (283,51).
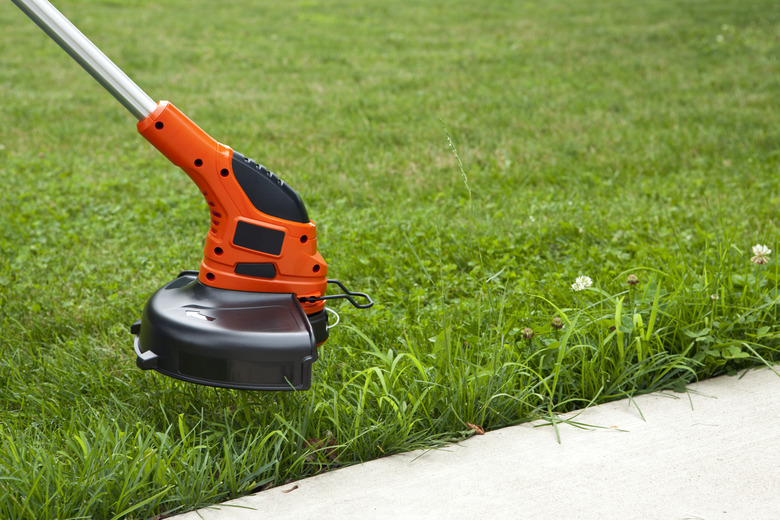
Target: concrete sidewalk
(712,453)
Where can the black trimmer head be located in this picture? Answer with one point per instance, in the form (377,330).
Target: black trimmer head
(230,339)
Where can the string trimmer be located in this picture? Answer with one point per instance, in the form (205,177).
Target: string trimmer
(254,314)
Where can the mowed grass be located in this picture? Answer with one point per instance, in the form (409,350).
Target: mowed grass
(464,164)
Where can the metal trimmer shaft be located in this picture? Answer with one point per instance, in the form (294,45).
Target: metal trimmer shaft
(81,49)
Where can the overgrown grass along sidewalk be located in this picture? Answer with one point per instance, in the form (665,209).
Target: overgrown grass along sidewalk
(465,163)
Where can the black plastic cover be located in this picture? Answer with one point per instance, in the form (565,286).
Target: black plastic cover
(258,238)
(267,192)
(224,338)
(258,270)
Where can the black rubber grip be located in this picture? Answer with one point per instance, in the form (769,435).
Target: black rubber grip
(267,192)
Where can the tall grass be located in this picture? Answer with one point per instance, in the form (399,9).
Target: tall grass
(464,164)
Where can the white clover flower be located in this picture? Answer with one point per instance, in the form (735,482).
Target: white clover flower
(760,254)
(582,282)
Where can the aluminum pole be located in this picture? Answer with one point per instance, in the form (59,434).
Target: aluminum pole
(67,36)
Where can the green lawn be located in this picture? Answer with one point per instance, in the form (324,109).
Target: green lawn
(464,163)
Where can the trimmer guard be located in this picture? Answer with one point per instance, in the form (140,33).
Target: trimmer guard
(227,338)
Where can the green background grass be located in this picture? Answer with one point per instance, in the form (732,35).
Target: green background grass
(600,138)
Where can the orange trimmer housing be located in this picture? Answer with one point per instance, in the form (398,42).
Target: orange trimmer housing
(252,317)
(260,239)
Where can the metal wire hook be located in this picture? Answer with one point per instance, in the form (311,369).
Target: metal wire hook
(347,295)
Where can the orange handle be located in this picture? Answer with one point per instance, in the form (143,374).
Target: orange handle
(260,238)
